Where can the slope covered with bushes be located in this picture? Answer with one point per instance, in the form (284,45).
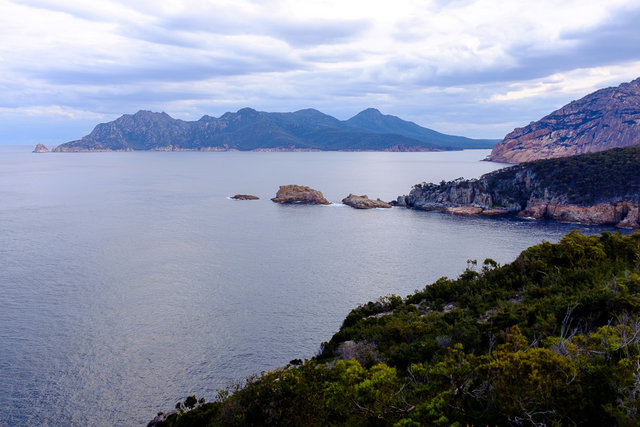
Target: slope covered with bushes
(553,337)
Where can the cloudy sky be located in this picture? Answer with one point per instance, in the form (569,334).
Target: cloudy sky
(477,68)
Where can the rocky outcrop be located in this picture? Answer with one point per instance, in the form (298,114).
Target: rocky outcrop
(599,188)
(364,202)
(600,214)
(622,214)
(605,119)
(245,197)
(632,218)
(494,211)
(299,194)
(464,210)
(40,148)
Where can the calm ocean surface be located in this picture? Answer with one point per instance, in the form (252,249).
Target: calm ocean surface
(129,281)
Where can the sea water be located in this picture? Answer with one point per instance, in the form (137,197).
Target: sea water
(129,281)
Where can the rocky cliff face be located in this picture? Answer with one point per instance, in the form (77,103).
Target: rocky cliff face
(605,119)
(597,188)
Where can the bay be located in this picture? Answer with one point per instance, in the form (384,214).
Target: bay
(129,281)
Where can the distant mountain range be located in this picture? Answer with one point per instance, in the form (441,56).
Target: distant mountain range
(248,129)
(604,119)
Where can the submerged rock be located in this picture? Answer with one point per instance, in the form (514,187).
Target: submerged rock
(299,194)
(245,197)
(364,202)
(40,148)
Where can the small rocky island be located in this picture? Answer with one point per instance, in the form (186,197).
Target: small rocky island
(364,202)
(40,148)
(598,188)
(245,197)
(299,194)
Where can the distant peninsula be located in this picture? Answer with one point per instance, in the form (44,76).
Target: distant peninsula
(251,130)
(596,188)
(604,119)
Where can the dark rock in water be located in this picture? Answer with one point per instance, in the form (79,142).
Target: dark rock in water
(605,119)
(245,197)
(364,202)
(41,148)
(299,194)
(400,201)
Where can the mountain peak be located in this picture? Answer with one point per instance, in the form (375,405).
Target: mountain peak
(147,113)
(248,129)
(369,113)
(604,119)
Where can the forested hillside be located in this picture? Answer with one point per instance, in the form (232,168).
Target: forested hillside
(551,338)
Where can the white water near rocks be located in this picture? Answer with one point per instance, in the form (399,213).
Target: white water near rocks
(129,281)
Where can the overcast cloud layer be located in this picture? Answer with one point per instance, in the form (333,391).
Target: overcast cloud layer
(476,68)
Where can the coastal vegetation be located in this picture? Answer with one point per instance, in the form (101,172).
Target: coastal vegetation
(551,338)
(583,180)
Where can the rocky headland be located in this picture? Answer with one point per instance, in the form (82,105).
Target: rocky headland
(598,188)
(40,148)
(364,202)
(605,119)
(299,194)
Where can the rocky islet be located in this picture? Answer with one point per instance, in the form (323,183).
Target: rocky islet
(364,202)
(299,194)
(40,148)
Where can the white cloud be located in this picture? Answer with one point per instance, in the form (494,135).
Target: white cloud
(574,82)
(442,62)
(50,111)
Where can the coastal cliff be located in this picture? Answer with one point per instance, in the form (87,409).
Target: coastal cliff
(597,188)
(602,120)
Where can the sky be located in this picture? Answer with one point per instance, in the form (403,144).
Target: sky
(477,68)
